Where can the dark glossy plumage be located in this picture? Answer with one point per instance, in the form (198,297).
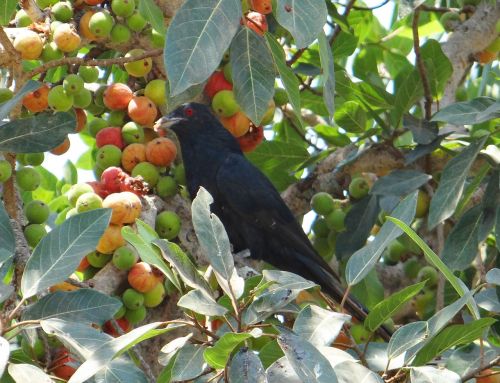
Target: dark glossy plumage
(251,209)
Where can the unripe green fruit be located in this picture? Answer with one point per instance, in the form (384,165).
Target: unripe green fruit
(148,172)
(34,159)
(358,188)
(28,179)
(168,225)
(132,299)
(155,296)
(51,52)
(99,94)
(124,258)
(88,201)
(332,239)
(95,109)
(138,68)
(71,212)
(54,25)
(82,99)
(320,228)
(108,155)
(96,125)
(5,94)
(494,46)
(157,39)
(60,100)
(76,191)
(121,312)
(429,273)
(34,233)
(123,8)
(62,11)
(115,117)
(411,267)
(45,3)
(73,84)
(228,75)
(156,92)
(360,333)
(180,174)
(166,187)
(98,260)
(423,201)
(269,115)
(323,248)
(224,103)
(322,203)
(336,220)
(89,74)
(5,170)
(450,21)
(22,19)
(280,96)
(394,252)
(101,23)
(136,22)
(36,211)
(136,316)
(132,133)
(120,34)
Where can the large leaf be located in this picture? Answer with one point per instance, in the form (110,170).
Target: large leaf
(429,374)
(471,112)
(58,254)
(304,19)
(290,81)
(36,134)
(451,184)
(307,362)
(450,337)
(4,354)
(461,245)
(189,363)
(437,65)
(218,355)
(214,240)
(389,306)
(319,326)
(407,94)
(153,13)
(6,10)
(84,305)
(468,358)
(326,56)
(252,69)
(423,131)
(406,337)
(400,182)
(22,373)
(348,372)
(7,106)
(202,303)
(199,34)
(351,117)
(363,260)
(246,367)
(276,155)
(8,243)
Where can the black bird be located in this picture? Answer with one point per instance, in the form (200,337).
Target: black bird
(251,209)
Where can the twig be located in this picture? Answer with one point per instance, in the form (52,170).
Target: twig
(7,44)
(428,8)
(33,11)
(421,66)
(92,62)
(474,372)
(19,324)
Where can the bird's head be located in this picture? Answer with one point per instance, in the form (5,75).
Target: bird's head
(186,119)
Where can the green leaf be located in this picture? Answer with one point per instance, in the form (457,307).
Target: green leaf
(407,94)
(252,69)
(218,355)
(430,374)
(319,326)
(70,174)
(423,131)
(246,367)
(437,65)
(197,38)
(450,337)
(215,242)
(451,184)
(4,354)
(332,135)
(270,353)
(434,260)
(83,305)
(471,112)
(351,117)
(400,182)
(461,245)
(345,44)
(58,254)
(148,253)
(326,56)
(8,243)
(6,10)
(152,13)
(290,81)
(309,364)
(389,306)
(304,19)
(189,363)
(278,156)
(363,260)
(406,337)
(201,303)
(39,133)
(7,106)
(23,372)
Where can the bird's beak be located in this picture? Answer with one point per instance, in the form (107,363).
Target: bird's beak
(164,123)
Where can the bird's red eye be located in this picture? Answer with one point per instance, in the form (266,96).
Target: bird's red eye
(188,112)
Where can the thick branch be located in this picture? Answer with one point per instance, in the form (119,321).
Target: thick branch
(33,11)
